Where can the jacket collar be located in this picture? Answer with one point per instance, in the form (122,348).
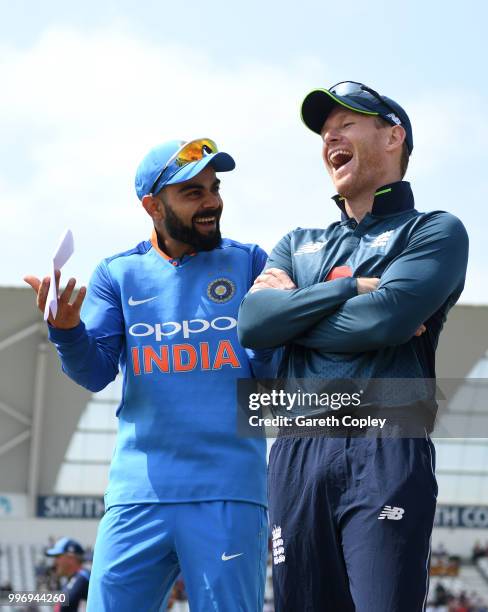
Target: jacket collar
(388,200)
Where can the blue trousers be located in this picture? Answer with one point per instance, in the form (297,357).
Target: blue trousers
(351,521)
(220,547)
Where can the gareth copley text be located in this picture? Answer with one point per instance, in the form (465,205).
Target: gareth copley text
(327,421)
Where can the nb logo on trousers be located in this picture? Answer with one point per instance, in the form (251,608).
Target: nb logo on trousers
(392,513)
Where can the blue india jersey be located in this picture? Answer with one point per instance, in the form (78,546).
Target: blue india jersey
(170,325)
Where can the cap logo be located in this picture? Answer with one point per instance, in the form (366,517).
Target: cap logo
(394,118)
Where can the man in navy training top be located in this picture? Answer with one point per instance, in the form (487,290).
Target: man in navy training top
(366,298)
(68,561)
(185,493)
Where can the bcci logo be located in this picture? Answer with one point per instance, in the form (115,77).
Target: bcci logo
(221,290)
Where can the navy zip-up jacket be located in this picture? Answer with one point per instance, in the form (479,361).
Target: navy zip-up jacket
(332,332)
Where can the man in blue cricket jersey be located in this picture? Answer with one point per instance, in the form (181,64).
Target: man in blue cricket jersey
(365,298)
(185,492)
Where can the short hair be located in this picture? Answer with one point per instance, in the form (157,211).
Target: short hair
(405,157)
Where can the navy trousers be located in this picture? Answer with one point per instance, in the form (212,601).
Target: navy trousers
(351,522)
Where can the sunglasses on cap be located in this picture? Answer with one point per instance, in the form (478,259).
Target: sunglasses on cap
(189,152)
(352,88)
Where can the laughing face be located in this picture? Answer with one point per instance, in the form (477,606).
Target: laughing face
(192,211)
(353,152)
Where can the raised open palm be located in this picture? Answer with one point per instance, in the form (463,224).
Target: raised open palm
(68,314)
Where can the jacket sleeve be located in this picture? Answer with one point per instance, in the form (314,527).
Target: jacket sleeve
(427,274)
(90,352)
(264,362)
(273,317)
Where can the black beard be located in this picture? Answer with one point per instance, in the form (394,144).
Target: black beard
(189,235)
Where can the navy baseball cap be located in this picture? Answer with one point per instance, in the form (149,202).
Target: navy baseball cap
(354,96)
(65,546)
(176,161)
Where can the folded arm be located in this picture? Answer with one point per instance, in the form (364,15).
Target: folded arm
(264,361)
(429,272)
(271,317)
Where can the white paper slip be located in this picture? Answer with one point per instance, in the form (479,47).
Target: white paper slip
(60,257)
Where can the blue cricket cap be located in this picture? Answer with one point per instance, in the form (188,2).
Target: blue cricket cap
(354,96)
(152,176)
(64,546)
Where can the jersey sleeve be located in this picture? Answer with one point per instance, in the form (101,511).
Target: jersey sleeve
(274,317)
(259,259)
(429,273)
(264,362)
(90,352)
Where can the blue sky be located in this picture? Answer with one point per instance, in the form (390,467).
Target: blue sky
(88,87)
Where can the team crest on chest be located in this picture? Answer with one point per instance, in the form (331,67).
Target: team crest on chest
(382,239)
(221,290)
(311,247)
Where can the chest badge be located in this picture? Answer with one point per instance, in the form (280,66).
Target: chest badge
(221,290)
(382,239)
(310,247)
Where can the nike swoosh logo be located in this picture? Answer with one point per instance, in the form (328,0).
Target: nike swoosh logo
(228,557)
(133,302)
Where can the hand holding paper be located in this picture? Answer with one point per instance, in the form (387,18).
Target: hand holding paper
(58,310)
(61,256)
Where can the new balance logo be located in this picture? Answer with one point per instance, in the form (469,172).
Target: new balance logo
(310,248)
(392,513)
(394,118)
(382,239)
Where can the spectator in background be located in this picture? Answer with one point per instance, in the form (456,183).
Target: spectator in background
(441,595)
(463,603)
(440,550)
(6,587)
(68,562)
(478,551)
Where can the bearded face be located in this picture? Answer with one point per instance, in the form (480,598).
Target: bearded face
(202,231)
